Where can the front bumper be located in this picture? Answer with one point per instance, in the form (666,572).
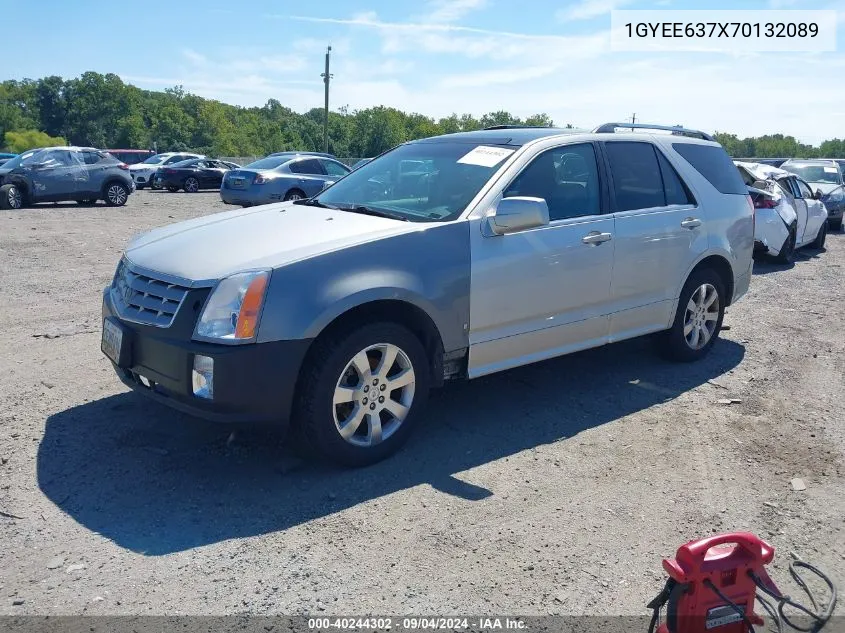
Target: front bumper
(142,178)
(253,383)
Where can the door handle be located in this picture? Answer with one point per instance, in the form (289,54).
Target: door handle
(596,238)
(691,223)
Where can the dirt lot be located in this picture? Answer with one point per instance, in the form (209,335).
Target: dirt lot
(554,488)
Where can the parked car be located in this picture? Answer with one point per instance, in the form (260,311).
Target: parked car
(192,175)
(824,176)
(143,172)
(5,157)
(787,214)
(361,163)
(340,312)
(55,174)
(303,153)
(280,177)
(131,156)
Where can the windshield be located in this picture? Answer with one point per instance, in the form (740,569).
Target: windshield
(815,173)
(155,160)
(422,182)
(23,159)
(270,162)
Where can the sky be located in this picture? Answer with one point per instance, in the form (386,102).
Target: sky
(435,57)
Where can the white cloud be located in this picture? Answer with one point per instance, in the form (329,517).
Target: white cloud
(193,56)
(451,10)
(588,9)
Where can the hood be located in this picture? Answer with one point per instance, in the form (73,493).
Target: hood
(143,167)
(208,248)
(826,187)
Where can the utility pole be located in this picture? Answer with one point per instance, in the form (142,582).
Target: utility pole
(634,119)
(326,78)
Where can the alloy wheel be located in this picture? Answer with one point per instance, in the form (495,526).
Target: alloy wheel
(116,195)
(192,185)
(373,395)
(15,198)
(701,316)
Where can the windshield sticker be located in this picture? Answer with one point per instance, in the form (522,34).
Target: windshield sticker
(830,170)
(485,156)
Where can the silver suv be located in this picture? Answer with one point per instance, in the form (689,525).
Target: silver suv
(445,258)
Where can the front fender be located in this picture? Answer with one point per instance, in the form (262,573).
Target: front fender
(427,267)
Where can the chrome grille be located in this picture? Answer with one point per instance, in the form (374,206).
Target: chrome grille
(145,299)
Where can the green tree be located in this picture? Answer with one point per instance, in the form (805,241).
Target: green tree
(18,142)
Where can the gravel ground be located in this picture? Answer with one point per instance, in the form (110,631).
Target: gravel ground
(554,488)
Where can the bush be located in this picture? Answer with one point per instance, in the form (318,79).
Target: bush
(27,139)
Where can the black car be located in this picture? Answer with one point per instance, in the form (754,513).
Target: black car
(193,174)
(55,174)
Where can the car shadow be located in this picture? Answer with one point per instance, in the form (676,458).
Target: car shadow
(156,482)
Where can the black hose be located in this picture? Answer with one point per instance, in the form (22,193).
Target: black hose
(733,604)
(819,619)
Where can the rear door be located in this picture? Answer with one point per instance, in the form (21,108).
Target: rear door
(92,179)
(660,231)
(311,175)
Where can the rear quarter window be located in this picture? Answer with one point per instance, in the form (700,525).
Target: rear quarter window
(713,163)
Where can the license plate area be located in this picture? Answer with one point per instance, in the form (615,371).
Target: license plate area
(115,343)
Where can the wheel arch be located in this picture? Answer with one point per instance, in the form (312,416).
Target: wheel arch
(722,267)
(402,311)
(114,180)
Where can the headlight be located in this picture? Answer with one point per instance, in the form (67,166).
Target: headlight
(234,307)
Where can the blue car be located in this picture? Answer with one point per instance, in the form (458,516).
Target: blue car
(4,156)
(282,176)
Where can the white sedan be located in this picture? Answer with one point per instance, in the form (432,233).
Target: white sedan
(787,214)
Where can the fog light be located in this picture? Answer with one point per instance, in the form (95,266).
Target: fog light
(202,377)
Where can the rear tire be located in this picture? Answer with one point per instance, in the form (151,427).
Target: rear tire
(191,184)
(353,416)
(294,194)
(821,237)
(11,197)
(172,189)
(698,318)
(116,194)
(787,251)
(153,184)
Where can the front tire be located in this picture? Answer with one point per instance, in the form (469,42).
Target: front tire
(11,197)
(191,185)
(361,393)
(116,194)
(821,237)
(698,319)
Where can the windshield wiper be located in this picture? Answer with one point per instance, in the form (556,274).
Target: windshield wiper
(313,202)
(365,210)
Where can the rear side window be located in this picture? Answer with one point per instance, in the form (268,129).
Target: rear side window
(676,190)
(637,182)
(713,163)
(307,166)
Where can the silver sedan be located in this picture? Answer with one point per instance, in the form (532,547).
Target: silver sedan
(280,177)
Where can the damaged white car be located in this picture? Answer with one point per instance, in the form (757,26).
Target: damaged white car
(787,214)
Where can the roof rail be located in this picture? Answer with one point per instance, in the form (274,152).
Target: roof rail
(516,127)
(675,129)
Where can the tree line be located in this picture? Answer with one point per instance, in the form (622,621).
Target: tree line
(102,111)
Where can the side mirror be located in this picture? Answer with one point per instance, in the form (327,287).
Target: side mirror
(818,195)
(517,214)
